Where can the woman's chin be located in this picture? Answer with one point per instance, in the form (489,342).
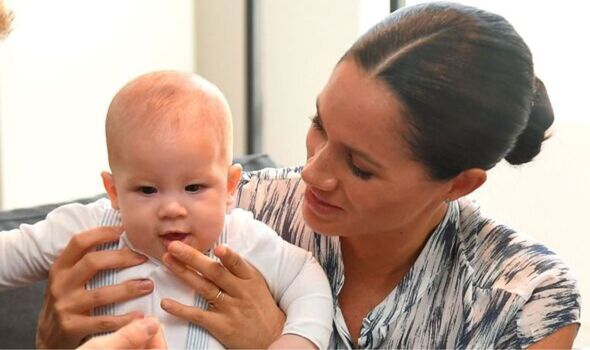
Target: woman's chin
(319,224)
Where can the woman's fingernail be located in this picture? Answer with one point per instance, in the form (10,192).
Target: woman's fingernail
(175,248)
(165,304)
(136,314)
(149,325)
(146,285)
(220,251)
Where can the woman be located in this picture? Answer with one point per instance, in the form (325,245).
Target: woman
(414,114)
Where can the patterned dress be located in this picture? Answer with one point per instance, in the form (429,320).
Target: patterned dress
(476,283)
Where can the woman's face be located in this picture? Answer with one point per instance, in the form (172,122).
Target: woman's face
(360,176)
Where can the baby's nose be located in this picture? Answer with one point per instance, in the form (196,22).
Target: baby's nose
(172,209)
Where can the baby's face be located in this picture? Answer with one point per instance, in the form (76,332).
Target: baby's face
(172,187)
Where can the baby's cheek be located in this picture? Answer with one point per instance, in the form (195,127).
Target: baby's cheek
(209,232)
(141,235)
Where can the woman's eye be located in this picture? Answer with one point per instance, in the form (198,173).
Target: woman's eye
(358,172)
(316,122)
(192,188)
(147,190)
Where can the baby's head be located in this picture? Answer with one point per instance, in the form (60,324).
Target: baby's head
(169,142)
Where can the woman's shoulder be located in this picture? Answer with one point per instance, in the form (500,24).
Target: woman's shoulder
(273,174)
(502,258)
(269,187)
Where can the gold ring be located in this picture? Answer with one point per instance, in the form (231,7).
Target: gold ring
(220,295)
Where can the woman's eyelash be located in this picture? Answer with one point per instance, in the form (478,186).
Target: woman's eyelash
(317,122)
(358,172)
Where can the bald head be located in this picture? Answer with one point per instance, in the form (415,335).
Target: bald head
(5,20)
(157,105)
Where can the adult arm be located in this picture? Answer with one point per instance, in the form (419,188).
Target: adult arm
(563,338)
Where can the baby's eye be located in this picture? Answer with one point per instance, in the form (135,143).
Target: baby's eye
(147,190)
(192,188)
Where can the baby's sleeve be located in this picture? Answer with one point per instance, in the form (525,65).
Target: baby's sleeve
(297,282)
(308,303)
(554,303)
(29,251)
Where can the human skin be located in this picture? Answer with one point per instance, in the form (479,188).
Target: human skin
(172,177)
(140,334)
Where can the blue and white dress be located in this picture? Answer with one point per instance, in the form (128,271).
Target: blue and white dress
(476,283)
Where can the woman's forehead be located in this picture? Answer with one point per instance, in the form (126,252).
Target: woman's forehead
(361,110)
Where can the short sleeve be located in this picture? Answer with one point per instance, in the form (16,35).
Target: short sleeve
(554,303)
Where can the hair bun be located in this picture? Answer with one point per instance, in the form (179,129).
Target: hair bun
(528,144)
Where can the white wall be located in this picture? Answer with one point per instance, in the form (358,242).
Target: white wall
(60,67)
(301,41)
(221,56)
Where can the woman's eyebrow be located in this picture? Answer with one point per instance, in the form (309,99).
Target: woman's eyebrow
(317,105)
(364,155)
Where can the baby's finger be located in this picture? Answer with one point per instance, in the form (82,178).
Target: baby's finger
(135,335)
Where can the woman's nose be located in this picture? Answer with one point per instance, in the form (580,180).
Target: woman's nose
(317,171)
(172,209)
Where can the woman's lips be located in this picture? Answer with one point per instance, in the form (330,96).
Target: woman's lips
(317,205)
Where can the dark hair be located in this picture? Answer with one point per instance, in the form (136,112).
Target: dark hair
(466,83)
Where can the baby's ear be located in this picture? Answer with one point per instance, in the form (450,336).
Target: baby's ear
(233,179)
(109,185)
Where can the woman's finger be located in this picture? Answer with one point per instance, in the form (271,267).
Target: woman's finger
(84,300)
(234,262)
(201,285)
(203,318)
(79,326)
(84,241)
(211,270)
(92,262)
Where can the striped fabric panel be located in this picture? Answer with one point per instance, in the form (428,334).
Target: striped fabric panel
(198,337)
(106,277)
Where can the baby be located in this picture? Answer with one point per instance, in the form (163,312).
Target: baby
(169,142)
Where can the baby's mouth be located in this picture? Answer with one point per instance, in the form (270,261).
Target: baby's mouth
(169,237)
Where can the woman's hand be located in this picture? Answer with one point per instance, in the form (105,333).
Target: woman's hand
(65,317)
(243,313)
(139,334)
